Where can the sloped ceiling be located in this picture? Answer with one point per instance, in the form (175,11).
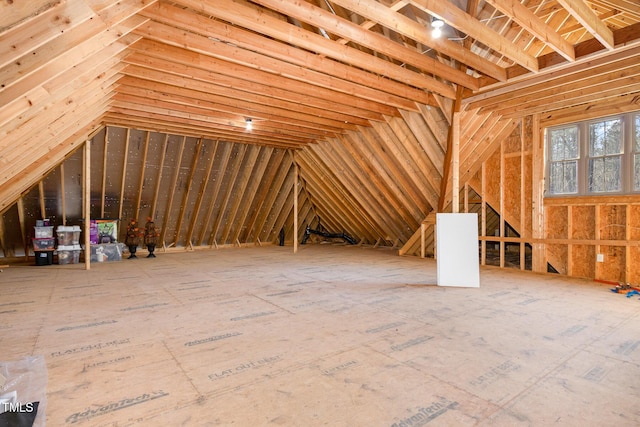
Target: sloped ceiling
(358,91)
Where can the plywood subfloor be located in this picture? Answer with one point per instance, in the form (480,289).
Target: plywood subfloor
(331,336)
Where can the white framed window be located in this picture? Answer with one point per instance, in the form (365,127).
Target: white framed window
(564,153)
(600,156)
(605,156)
(636,153)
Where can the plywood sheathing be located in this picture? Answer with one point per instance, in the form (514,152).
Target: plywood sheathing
(334,335)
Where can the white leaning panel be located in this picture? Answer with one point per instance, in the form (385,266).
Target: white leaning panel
(457,257)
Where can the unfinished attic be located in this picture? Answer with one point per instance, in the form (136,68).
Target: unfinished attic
(376,122)
(240,126)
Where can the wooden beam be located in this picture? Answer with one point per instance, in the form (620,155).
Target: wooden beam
(86,198)
(22,226)
(267,185)
(536,26)
(225,156)
(240,192)
(158,178)
(539,262)
(590,21)
(43,209)
(252,41)
(455,163)
(248,17)
(483,214)
(123,181)
(234,170)
(263,230)
(13,13)
(202,193)
(63,195)
(172,190)
(469,25)
(143,168)
(381,14)
(250,195)
(332,23)
(296,184)
(105,166)
(187,191)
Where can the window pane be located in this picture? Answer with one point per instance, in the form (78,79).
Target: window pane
(605,137)
(564,143)
(637,133)
(596,174)
(555,180)
(563,179)
(605,174)
(613,175)
(636,176)
(571,177)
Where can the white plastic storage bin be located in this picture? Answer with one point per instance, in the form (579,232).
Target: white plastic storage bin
(68,235)
(43,232)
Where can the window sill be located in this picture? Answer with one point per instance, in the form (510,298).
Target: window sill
(605,199)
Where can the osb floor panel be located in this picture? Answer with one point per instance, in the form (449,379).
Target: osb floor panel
(331,336)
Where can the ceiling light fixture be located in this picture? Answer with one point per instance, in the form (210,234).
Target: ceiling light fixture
(437,25)
(249,124)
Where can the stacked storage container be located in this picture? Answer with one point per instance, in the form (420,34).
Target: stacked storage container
(44,243)
(68,244)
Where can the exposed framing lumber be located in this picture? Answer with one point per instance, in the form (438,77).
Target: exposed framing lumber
(469,25)
(268,183)
(296,185)
(162,12)
(372,158)
(235,170)
(378,12)
(43,210)
(185,196)
(539,262)
(201,195)
(332,200)
(455,162)
(225,156)
(524,231)
(369,197)
(86,206)
(22,226)
(241,190)
(250,195)
(172,191)
(483,227)
(530,21)
(314,15)
(243,15)
(63,194)
(268,82)
(156,192)
(143,167)
(502,203)
(587,17)
(419,173)
(378,179)
(261,231)
(123,180)
(422,195)
(105,165)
